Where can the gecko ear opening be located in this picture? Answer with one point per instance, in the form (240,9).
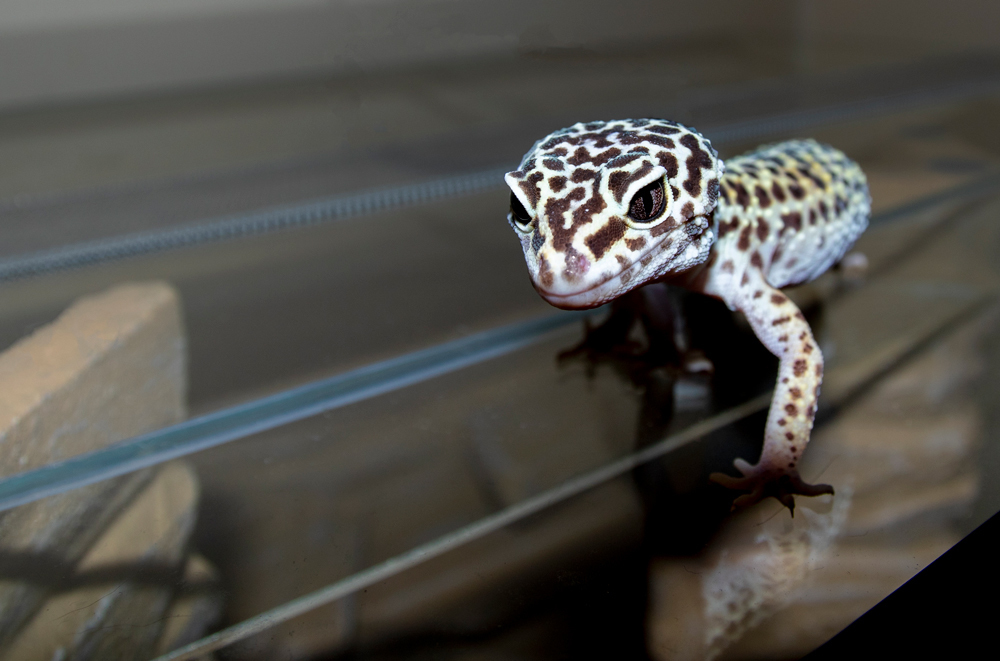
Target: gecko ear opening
(649,203)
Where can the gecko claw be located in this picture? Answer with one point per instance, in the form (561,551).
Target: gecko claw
(783,487)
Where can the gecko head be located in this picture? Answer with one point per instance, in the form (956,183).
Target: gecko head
(604,207)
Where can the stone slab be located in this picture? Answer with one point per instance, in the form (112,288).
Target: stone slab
(110,367)
(125,582)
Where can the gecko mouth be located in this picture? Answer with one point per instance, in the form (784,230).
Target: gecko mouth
(602,291)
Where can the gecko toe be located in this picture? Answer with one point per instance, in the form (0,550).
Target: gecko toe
(730,482)
(800,487)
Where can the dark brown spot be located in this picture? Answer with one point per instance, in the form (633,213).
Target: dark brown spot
(544,272)
(783,338)
(669,163)
(727,227)
(623,261)
(778,299)
(799,367)
(537,240)
(782,422)
(744,242)
(778,192)
(819,370)
(661,142)
(791,409)
(758,294)
(727,266)
(781,320)
(582,174)
(816,180)
(687,212)
(796,191)
(555,210)
(712,191)
(727,192)
(635,244)
(792,221)
(795,392)
(553,164)
(582,155)
(745,280)
(620,180)
(600,241)
(530,187)
(623,160)
(807,348)
(698,159)
(791,437)
(742,196)
(667,225)
(763,199)
(629,138)
(755,260)
(762,229)
(810,412)
(557,183)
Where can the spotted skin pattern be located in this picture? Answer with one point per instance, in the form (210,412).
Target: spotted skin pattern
(738,231)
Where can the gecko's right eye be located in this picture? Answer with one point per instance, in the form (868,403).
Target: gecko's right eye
(648,203)
(519,214)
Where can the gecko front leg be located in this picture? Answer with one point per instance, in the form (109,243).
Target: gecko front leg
(783,329)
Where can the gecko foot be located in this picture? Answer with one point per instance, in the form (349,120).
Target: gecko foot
(606,343)
(762,483)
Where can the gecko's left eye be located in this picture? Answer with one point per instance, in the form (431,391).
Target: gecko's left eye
(519,214)
(648,203)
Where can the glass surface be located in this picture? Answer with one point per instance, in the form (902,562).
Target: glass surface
(381,449)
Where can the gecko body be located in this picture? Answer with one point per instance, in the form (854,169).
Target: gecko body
(602,208)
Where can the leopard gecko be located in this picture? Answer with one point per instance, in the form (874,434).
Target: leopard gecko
(602,208)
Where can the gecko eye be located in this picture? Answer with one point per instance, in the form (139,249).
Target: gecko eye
(518,213)
(648,203)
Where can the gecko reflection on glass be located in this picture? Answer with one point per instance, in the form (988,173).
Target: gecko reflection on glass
(602,208)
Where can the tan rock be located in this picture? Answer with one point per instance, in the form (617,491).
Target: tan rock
(125,581)
(196,607)
(112,366)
